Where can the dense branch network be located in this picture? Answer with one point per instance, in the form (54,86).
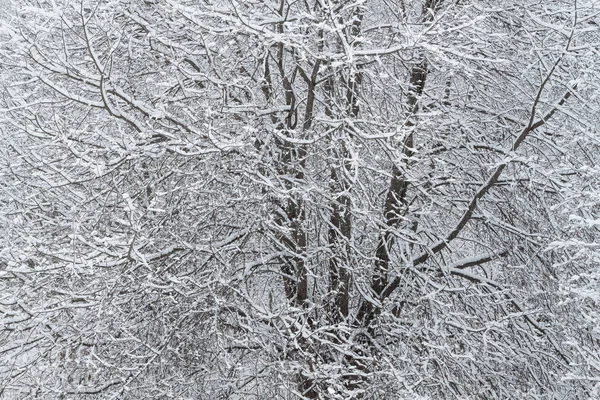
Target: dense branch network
(301,199)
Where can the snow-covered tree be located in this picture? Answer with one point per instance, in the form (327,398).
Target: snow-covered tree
(374,199)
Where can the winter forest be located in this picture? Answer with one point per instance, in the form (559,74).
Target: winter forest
(300,199)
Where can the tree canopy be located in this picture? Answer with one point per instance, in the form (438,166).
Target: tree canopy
(285,199)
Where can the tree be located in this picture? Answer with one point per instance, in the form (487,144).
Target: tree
(285,199)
